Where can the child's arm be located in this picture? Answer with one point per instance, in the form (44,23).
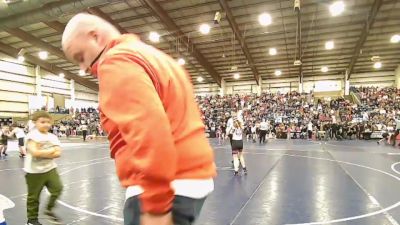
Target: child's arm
(57,151)
(34,148)
(9,134)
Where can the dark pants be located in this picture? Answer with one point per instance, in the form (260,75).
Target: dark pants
(263,133)
(84,133)
(184,210)
(230,138)
(309,134)
(36,182)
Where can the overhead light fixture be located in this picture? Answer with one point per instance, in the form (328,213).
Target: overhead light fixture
(297,63)
(82,73)
(9,2)
(336,8)
(329,45)
(205,28)
(264,19)
(377,65)
(217,18)
(43,55)
(395,38)
(21,54)
(61,75)
(154,37)
(375,58)
(324,69)
(200,79)
(278,72)
(181,61)
(272,51)
(236,76)
(21,58)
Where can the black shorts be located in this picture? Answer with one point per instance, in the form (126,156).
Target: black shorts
(184,210)
(237,145)
(21,142)
(4,142)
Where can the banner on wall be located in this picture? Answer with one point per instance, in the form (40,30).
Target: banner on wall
(38,102)
(59,100)
(327,85)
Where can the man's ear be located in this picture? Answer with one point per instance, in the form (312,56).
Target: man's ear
(93,34)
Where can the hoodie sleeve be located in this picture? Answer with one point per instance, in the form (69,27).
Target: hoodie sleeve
(128,97)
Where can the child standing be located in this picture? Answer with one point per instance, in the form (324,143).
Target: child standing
(42,148)
(237,147)
(4,135)
(20,134)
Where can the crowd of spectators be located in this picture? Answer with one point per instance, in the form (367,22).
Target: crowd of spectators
(82,119)
(292,115)
(288,115)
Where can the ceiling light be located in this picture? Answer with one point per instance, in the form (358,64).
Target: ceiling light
(265,19)
(329,45)
(324,69)
(336,8)
(377,65)
(236,76)
(395,38)
(205,28)
(375,58)
(43,55)
(181,61)
(200,79)
(61,75)
(154,37)
(21,58)
(82,73)
(278,72)
(272,51)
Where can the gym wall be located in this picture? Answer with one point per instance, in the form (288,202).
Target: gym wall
(18,82)
(283,85)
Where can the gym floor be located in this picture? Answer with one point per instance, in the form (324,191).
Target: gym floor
(289,182)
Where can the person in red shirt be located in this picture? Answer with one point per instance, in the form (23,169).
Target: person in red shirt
(148,110)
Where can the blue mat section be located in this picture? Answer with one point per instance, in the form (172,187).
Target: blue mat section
(289,182)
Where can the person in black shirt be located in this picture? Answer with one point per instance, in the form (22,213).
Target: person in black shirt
(4,135)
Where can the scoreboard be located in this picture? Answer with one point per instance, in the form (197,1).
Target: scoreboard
(6,120)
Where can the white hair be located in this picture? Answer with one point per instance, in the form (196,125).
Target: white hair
(84,22)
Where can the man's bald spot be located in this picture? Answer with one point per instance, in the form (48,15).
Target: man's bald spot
(83,23)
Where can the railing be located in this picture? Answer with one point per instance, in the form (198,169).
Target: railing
(356,98)
(59,117)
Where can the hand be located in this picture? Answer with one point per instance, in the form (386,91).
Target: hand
(39,145)
(151,219)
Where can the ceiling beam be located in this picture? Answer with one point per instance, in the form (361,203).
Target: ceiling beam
(57,26)
(52,50)
(96,11)
(49,12)
(243,45)
(48,66)
(36,42)
(299,43)
(364,34)
(172,27)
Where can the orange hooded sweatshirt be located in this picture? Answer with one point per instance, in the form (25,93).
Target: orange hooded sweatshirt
(153,123)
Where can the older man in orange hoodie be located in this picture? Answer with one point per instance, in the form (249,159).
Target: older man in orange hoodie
(153,123)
